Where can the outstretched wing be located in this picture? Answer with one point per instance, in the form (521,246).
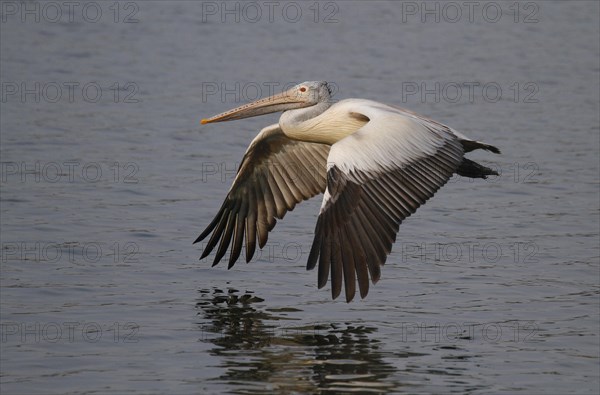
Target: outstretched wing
(376,178)
(276,173)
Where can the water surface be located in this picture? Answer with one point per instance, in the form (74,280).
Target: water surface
(492,286)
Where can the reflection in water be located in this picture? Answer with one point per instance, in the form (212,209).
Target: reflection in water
(262,352)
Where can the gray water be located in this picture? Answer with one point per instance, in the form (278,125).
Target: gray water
(492,287)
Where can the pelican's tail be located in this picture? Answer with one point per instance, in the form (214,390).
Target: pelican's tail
(471,145)
(471,169)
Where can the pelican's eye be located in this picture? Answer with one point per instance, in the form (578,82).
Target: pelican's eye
(303,89)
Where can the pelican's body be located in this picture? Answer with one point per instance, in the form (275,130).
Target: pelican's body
(375,163)
(329,127)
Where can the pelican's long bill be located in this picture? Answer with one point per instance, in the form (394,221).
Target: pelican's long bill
(279,102)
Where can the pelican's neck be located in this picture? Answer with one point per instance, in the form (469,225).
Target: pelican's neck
(299,124)
(321,123)
(293,119)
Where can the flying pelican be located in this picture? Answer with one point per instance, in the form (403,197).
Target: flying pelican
(375,163)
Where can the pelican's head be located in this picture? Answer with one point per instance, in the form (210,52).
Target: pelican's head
(306,94)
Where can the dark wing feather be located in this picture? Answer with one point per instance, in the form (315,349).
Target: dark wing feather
(376,178)
(367,215)
(276,173)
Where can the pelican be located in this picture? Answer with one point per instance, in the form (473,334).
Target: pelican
(375,163)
